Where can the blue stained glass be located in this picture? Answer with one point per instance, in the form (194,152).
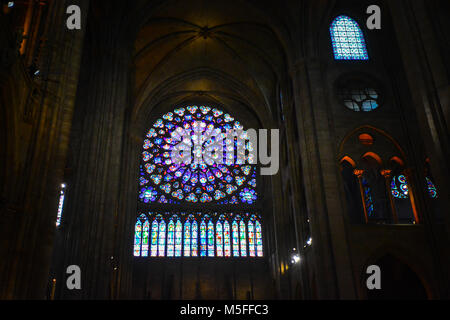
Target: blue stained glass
(162,239)
(137,238)
(203,179)
(235,235)
(187,239)
(210,239)
(259,244)
(145,234)
(154,239)
(347,39)
(219,239)
(227,240)
(203,239)
(399,187)
(243,238)
(170,239)
(368,201)
(178,238)
(432,191)
(194,244)
(251,239)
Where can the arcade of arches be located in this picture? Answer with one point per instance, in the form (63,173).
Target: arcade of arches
(87,119)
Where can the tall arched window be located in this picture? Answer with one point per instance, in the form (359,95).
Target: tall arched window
(347,39)
(215,172)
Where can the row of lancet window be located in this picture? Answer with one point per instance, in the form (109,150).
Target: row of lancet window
(174,238)
(395,192)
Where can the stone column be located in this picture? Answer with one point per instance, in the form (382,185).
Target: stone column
(358,174)
(321,180)
(98,141)
(388,177)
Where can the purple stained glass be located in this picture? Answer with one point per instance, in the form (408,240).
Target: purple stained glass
(204,179)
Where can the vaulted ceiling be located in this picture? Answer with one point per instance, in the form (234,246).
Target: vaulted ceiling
(222,52)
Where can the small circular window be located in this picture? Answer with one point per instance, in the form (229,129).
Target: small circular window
(358,95)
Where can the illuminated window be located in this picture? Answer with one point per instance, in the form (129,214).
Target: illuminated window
(432,192)
(202,181)
(217,238)
(399,187)
(368,201)
(62,195)
(347,39)
(359,99)
(141,237)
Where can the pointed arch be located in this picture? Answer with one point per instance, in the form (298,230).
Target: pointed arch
(154,239)
(243,238)
(219,238)
(203,246)
(137,238)
(187,238)
(235,228)
(259,243)
(162,239)
(227,239)
(211,252)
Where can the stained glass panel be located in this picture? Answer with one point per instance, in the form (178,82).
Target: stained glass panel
(235,228)
(194,250)
(399,187)
(210,239)
(145,233)
(347,39)
(203,239)
(162,239)
(219,239)
(137,238)
(432,191)
(243,239)
(170,239)
(251,239)
(178,238)
(202,179)
(227,240)
(259,244)
(187,239)
(368,201)
(154,241)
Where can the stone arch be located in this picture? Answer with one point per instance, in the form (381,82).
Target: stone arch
(398,257)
